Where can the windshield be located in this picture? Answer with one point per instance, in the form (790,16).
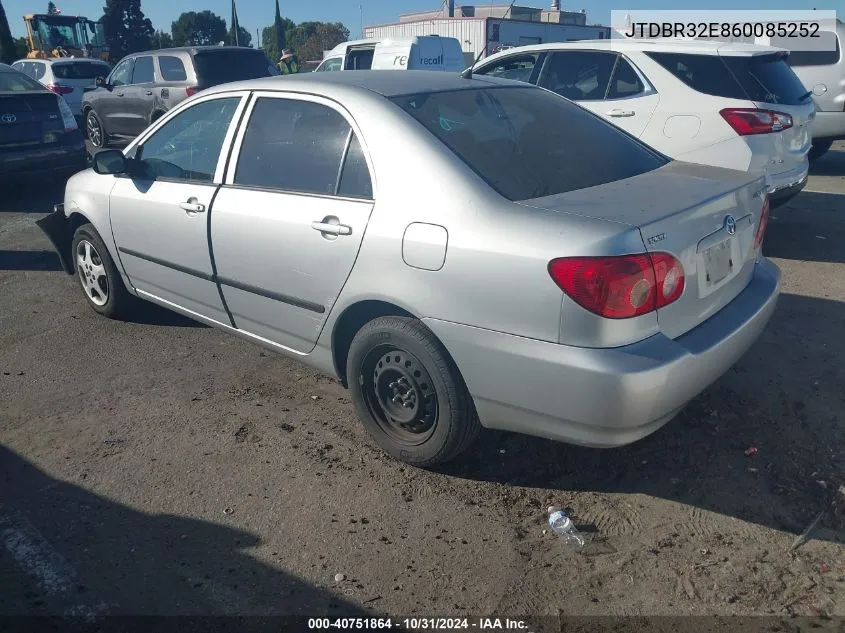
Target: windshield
(528,143)
(80,70)
(56,32)
(18,82)
(222,66)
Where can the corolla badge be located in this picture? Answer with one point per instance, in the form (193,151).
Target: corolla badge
(8,118)
(730,224)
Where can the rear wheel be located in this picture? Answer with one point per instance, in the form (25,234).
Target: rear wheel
(94,130)
(97,274)
(409,393)
(819,149)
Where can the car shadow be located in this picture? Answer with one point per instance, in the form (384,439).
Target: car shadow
(830,164)
(66,550)
(810,227)
(147,313)
(29,260)
(754,446)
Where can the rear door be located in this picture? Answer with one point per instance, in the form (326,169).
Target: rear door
(287,225)
(821,70)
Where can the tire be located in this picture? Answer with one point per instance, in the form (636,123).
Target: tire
(94,130)
(421,432)
(98,276)
(819,149)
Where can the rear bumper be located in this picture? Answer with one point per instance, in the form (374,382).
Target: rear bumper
(604,397)
(34,161)
(783,193)
(829,126)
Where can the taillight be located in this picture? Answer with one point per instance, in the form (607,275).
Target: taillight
(761,228)
(59,89)
(748,121)
(192,90)
(620,287)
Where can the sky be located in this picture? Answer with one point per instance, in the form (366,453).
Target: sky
(255,14)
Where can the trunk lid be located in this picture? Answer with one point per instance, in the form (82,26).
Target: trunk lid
(689,220)
(26,117)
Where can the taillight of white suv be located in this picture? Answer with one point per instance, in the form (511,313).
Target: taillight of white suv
(748,121)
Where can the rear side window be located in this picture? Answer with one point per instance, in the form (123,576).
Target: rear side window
(703,73)
(143,73)
(526,143)
(517,67)
(355,179)
(222,66)
(83,70)
(625,81)
(579,75)
(827,39)
(172,68)
(768,78)
(293,145)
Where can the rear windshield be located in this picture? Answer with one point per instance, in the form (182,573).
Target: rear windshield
(83,70)
(223,66)
(764,78)
(528,143)
(15,81)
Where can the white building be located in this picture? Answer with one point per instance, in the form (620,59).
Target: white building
(486,29)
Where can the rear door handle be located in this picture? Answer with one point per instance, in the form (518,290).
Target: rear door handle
(620,113)
(331,228)
(149,93)
(192,206)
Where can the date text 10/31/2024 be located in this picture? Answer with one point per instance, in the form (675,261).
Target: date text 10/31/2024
(419,624)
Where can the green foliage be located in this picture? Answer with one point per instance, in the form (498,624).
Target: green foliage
(198,29)
(308,40)
(162,39)
(8,51)
(127,29)
(244,38)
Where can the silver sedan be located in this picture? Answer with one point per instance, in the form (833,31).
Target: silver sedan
(458,252)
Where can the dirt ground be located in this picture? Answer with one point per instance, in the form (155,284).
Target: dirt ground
(161,467)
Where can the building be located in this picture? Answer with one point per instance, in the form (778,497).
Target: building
(486,29)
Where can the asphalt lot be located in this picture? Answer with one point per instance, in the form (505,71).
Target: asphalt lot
(161,467)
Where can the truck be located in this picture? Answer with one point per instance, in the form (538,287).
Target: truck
(53,35)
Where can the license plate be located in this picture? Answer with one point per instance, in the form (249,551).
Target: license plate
(717,262)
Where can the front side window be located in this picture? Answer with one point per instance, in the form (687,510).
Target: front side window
(143,73)
(172,68)
(122,74)
(517,67)
(625,82)
(188,146)
(295,145)
(579,75)
(526,143)
(330,65)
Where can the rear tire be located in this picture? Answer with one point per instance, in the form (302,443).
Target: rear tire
(819,149)
(94,131)
(98,276)
(416,408)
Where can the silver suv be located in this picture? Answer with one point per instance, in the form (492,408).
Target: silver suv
(823,72)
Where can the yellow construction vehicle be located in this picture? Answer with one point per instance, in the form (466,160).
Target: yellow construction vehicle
(54,35)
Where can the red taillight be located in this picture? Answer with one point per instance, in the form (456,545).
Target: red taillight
(60,90)
(192,90)
(748,121)
(761,228)
(620,287)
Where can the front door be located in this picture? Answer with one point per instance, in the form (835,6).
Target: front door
(112,108)
(139,96)
(287,225)
(160,216)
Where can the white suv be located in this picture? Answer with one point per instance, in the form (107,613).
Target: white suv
(66,76)
(738,106)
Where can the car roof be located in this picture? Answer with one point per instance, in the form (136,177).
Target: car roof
(659,45)
(387,83)
(373,41)
(62,60)
(5,68)
(193,49)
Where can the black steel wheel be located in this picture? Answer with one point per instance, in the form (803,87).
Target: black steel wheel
(409,393)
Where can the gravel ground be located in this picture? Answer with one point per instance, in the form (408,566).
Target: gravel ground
(161,467)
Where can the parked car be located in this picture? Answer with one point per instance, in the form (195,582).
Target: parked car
(38,133)
(419,52)
(724,104)
(143,86)
(526,265)
(823,72)
(66,77)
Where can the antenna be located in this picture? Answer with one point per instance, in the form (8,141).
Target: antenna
(467,74)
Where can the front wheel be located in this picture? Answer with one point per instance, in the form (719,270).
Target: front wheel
(97,274)
(408,392)
(94,130)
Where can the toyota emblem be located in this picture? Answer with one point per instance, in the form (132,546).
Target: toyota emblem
(8,118)
(730,225)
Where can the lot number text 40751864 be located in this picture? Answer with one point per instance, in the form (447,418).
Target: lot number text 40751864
(417,624)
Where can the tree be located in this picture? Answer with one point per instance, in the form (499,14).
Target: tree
(162,39)
(311,39)
(269,42)
(279,27)
(8,51)
(197,29)
(244,38)
(51,8)
(127,30)
(21,48)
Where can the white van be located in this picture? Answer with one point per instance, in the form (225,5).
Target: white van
(422,52)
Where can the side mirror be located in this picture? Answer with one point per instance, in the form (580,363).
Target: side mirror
(110,162)
(100,82)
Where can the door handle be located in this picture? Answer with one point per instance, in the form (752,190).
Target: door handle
(620,113)
(120,94)
(192,206)
(149,93)
(331,226)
